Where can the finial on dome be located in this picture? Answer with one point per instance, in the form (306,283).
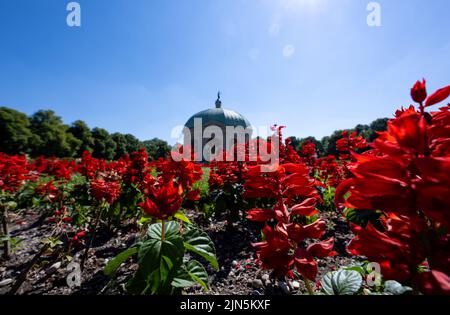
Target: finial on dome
(218,101)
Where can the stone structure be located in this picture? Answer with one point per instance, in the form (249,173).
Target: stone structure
(212,130)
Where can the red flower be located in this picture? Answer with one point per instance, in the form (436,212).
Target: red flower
(81,234)
(108,191)
(407,177)
(306,264)
(419,92)
(260,215)
(322,249)
(434,282)
(193,195)
(13,172)
(438,96)
(294,196)
(48,190)
(274,252)
(164,201)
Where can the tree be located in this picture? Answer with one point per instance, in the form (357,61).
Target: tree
(133,143)
(15,133)
(104,145)
(377,125)
(121,145)
(329,143)
(157,148)
(125,144)
(50,136)
(80,130)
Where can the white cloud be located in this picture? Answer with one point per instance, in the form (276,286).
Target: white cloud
(288,51)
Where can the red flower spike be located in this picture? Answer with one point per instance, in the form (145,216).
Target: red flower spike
(419,92)
(306,208)
(260,215)
(322,249)
(305,264)
(164,202)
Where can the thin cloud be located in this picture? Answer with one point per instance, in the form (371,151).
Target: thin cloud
(288,51)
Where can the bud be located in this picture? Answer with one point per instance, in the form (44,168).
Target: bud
(419,92)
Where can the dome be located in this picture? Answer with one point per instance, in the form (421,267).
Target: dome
(225,116)
(221,115)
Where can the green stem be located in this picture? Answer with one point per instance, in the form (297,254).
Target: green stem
(86,251)
(6,243)
(308,286)
(163,230)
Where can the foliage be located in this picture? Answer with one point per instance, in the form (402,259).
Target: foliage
(15,133)
(157,148)
(164,267)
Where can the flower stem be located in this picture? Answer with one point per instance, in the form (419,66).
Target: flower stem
(308,286)
(163,230)
(94,229)
(5,227)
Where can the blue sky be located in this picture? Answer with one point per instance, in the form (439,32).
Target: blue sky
(145,66)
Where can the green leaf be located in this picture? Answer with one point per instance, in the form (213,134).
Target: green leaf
(395,288)
(11,205)
(198,273)
(158,262)
(182,217)
(357,269)
(115,263)
(192,273)
(172,229)
(341,282)
(144,220)
(199,242)
(5,239)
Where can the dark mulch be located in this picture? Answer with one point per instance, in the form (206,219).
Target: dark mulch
(238,272)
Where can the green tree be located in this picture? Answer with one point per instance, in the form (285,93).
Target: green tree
(15,131)
(133,143)
(329,143)
(377,125)
(121,145)
(80,130)
(157,148)
(50,136)
(104,145)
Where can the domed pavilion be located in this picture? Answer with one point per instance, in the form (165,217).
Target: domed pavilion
(215,129)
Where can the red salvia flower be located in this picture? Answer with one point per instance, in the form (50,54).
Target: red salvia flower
(407,177)
(295,197)
(419,92)
(163,201)
(107,191)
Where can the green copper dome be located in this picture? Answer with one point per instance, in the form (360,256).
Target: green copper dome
(221,115)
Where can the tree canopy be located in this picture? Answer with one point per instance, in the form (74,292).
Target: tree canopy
(44,133)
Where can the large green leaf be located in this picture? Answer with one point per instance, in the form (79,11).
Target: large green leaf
(198,273)
(158,260)
(115,263)
(172,229)
(199,242)
(341,282)
(192,273)
(395,288)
